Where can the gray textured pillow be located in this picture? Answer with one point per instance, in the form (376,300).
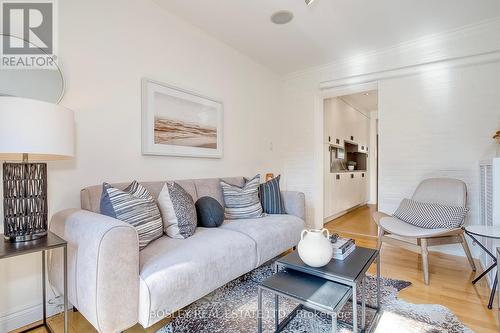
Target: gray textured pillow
(430,215)
(242,202)
(136,206)
(178,211)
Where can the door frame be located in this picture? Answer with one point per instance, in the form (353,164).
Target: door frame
(323,94)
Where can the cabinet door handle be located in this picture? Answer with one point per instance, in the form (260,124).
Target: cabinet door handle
(366,148)
(362,147)
(363,175)
(352,175)
(329,138)
(337,141)
(352,138)
(337,177)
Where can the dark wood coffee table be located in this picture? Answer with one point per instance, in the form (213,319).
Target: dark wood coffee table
(351,271)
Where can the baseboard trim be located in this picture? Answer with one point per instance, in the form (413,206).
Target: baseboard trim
(339,214)
(25,316)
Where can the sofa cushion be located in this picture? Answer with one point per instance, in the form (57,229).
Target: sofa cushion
(176,272)
(273,234)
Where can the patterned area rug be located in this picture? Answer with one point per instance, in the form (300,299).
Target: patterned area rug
(233,308)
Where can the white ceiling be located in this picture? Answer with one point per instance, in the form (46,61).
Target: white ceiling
(327,31)
(364,102)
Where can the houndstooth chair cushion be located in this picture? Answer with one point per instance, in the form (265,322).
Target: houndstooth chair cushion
(430,215)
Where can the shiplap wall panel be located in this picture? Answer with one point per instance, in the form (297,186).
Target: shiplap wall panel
(437,124)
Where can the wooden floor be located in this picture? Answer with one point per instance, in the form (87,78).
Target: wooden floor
(450,279)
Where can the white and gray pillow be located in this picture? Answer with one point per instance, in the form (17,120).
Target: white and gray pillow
(136,206)
(178,211)
(430,215)
(242,202)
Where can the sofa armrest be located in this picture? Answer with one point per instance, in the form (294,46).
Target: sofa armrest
(295,203)
(103,267)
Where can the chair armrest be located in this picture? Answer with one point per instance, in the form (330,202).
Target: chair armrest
(377,216)
(103,268)
(295,203)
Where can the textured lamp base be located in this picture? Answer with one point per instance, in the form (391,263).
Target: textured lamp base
(25,201)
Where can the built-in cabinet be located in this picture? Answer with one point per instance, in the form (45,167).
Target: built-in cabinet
(343,123)
(344,128)
(343,191)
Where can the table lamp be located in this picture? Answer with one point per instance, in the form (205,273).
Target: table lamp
(30,130)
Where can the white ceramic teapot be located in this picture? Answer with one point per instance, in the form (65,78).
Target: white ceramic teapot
(315,248)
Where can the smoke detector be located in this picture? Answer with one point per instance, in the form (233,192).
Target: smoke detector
(282,17)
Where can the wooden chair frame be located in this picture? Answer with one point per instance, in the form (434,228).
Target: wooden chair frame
(421,244)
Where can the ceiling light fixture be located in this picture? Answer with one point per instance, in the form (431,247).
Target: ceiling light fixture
(309,2)
(282,17)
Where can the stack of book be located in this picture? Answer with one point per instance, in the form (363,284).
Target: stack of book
(343,247)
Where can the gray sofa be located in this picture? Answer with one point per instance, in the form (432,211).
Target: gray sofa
(114,285)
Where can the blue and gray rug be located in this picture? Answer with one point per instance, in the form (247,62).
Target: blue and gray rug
(233,308)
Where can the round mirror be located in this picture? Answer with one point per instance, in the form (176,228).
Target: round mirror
(44,84)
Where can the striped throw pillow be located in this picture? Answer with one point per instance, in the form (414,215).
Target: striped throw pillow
(430,215)
(242,202)
(136,206)
(270,197)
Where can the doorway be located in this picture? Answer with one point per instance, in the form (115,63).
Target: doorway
(350,159)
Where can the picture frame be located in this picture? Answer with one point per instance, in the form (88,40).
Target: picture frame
(179,122)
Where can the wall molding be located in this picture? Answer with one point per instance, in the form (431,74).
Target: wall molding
(425,46)
(478,59)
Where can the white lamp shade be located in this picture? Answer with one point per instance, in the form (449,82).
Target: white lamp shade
(44,131)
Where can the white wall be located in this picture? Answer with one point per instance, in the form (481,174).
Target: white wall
(437,124)
(302,96)
(372,157)
(106,47)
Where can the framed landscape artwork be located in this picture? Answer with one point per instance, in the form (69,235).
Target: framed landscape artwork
(177,122)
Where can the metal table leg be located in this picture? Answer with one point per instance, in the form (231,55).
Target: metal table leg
(493,289)
(354,309)
(378,281)
(334,322)
(65,264)
(259,310)
(44,291)
(44,296)
(276,312)
(363,303)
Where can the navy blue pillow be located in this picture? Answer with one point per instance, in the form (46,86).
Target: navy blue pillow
(270,197)
(209,211)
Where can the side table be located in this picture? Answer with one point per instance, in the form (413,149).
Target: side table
(492,232)
(313,293)
(52,241)
(349,272)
